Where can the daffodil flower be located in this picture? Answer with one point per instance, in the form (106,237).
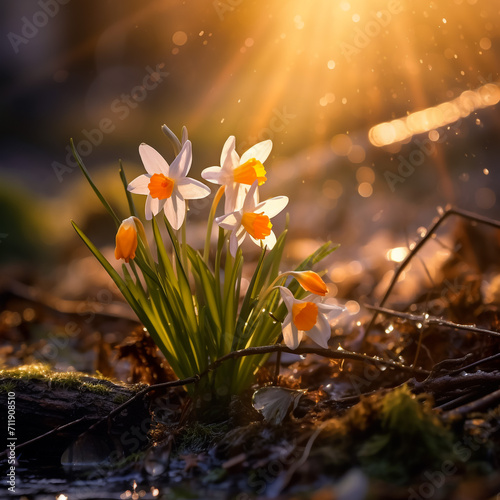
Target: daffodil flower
(308,316)
(310,281)
(167,186)
(126,240)
(252,219)
(238,174)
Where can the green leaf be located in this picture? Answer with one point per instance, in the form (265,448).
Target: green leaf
(322,252)
(207,286)
(128,194)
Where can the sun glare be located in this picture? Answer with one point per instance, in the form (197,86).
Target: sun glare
(316,69)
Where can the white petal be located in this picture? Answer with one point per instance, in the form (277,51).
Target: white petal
(182,163)
(249,203)
(175,210)
(331,311)
(154,163)
(287,297)
(229,157)
(240,191)
(321,332)
(191,189)
(233,244)
(147,211)
(140,185)
(259,151)
(273,206)
(184,135)
(268,241)
(231,221)
(241,234)
(230,195)
(291,335)
(153,206)
(213,174)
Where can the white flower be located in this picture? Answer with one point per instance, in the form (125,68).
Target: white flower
(307,316)
(253,219)
(238,174)
(167,186)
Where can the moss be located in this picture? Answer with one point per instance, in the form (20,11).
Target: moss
(7,387)
(410,436)
(120,399)
(95,388)
(393,435)
(199,437)
(65,380)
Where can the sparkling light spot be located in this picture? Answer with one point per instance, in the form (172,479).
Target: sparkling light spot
(434,135)
(179,38)
(432,118)
(357,154)
(331,64)
(485,43)
(365,190)
(352,307)
(397,254)
(365,174)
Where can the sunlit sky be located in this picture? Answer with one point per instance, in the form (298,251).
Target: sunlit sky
(314,76)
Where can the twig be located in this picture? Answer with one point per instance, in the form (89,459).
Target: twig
(477,405)
(282,482)
(447,383)
(47,434)
(456,402)
(251,351)
(476,363)
(426,319)
(432,229)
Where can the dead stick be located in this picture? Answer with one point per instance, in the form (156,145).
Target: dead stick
(251,351)
(477,405)
(432,229)
(426,319)
(476,363)
(47,434)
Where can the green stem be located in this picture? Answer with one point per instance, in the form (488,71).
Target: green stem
(183,246)
(210,222)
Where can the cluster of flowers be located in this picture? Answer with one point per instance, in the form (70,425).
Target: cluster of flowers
(167,188)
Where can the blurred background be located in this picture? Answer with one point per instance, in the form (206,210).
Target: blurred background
(380,112)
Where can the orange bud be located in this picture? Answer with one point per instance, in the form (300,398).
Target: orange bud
(126,240)
(311,281)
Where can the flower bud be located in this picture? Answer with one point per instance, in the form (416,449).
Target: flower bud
(126,240)
(311,281)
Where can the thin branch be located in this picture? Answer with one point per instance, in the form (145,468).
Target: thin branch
(251,351)
(431,320)
(282,482)
(479,404)
(447,383)
(432,229)
(476,363)
(46,435)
